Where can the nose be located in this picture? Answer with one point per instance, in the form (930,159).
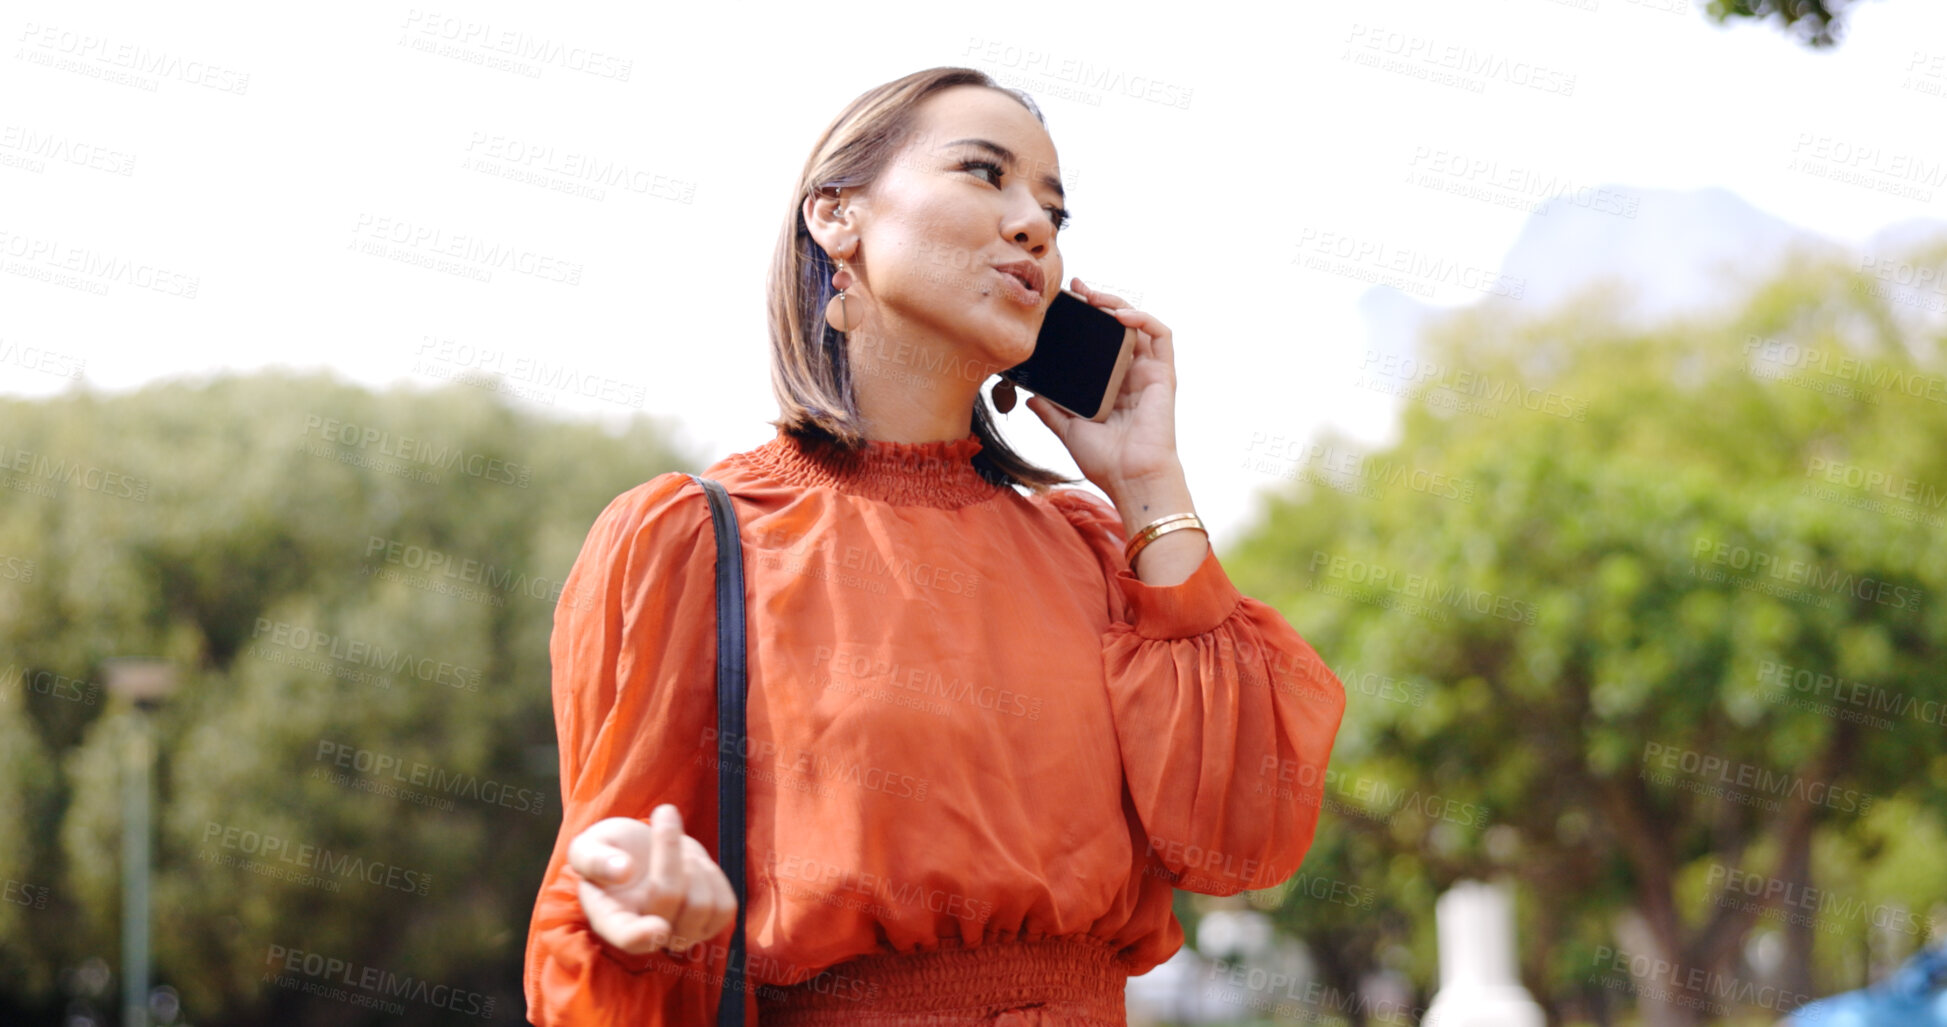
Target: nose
(1027,225)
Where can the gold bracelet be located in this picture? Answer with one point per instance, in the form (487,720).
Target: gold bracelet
(1158,528)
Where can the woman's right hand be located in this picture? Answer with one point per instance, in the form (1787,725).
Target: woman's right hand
(649,887)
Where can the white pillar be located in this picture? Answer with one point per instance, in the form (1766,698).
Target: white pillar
(1478,983)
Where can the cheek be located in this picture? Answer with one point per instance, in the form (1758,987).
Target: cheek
(934,252)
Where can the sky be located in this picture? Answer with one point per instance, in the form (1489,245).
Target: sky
(245,187)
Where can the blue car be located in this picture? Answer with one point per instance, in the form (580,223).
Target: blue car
(1914,996)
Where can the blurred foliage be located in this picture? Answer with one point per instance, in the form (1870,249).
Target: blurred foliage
(222,526)
(1526,593)
(1548,524)
(1816,23)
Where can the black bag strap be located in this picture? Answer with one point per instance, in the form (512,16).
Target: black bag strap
(731,648)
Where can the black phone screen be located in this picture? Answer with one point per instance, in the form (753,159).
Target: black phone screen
(1074,356)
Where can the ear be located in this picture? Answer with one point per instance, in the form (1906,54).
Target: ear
(834,234)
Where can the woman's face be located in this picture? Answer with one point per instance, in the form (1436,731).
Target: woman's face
(975,189)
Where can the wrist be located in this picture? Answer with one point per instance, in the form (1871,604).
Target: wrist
(1141,501)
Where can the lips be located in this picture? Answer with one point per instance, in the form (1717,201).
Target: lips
(1027,272)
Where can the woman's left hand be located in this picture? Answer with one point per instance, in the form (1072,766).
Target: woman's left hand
(1138,440)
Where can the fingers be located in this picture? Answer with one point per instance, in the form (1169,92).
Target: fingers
(1056,420)
(710,892)
(726,899)
(700,918)
(1099,299)
(597,853)
(618,925)
(665,879)
(1160,341)
(1152,336)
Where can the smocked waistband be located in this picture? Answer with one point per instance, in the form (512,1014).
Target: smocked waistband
(1054,982)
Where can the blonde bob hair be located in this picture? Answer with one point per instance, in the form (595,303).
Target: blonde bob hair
(810,370)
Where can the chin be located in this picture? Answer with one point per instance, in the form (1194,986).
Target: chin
(1016,343)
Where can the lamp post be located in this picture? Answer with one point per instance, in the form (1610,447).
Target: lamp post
(145,683)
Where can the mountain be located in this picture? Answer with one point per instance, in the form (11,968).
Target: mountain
(1679,252)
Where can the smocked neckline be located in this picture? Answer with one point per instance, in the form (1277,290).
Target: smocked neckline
(938,474)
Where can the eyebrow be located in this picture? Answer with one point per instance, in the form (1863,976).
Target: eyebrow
(1007,157)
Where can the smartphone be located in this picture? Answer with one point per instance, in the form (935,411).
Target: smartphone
(1079,358)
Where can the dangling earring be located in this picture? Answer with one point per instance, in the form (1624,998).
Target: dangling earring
(1004,395)
(836,313)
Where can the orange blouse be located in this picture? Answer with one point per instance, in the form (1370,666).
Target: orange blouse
(969,723)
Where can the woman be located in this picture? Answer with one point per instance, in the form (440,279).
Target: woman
(982,749)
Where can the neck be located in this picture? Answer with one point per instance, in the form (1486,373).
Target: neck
(913,384)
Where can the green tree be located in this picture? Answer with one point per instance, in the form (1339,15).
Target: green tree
(1583,608)
(1816,23)
(358,588)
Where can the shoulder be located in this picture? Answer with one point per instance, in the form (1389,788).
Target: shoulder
(1082,508)
(669,512)
(1092,517)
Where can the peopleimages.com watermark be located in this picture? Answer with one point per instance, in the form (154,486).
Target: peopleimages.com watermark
(1838,372)
(1305,675)
(1283,996)
(302,863)
(1857,701)
(1692,987)
(434,570)
(583,175)
(501,47)
(1773,574)
(84,269)
(1463,390)
(121,62)
(368,986)
(29,150)
(20,893)
(37,471)
(1034,64)
(1350,471)
(523,374)
(1926,73)
(461,254)
(1796,902)
(380,772)
(694,960)
(1317,887)
(1862,486)
(365,445)
(925,682)
(1867,165)
(1475,176)
(339,656)
(1458,65)
(1373,798)
(42,360)
(807,770)
(1405,268)
(818,554)
(1743,783)
(806,877)
(49,683)
(1417,594)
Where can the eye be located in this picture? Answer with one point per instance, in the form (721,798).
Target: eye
(969,165)
(1059,215)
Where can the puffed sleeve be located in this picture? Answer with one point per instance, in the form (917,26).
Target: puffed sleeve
(1225,716)
(633,651)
